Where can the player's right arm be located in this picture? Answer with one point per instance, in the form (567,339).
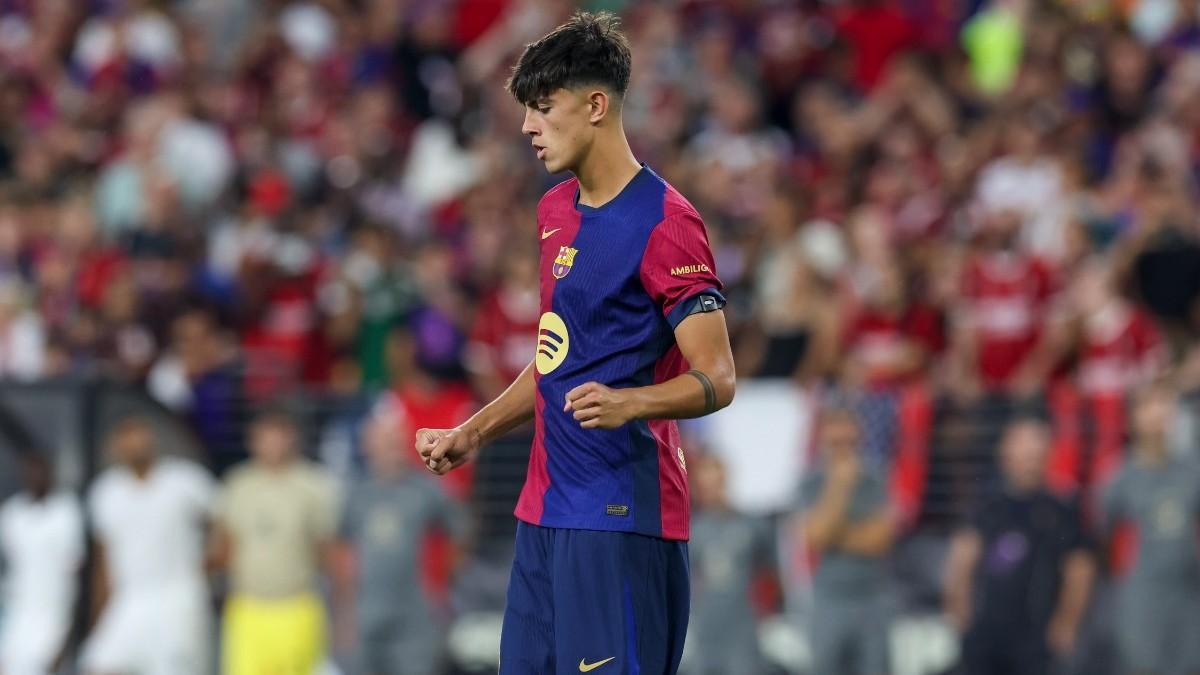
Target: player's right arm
(101,588)
(823,523)
(443,450)
(965,550)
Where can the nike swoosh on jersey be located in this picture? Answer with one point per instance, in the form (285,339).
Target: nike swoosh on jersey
(589,667)
(547,233)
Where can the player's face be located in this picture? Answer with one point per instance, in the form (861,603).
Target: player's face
(560,129)
(1024,454)
(1152,414)
(37,474)
(384,444)
(840,436)
(271,442)
(133,444)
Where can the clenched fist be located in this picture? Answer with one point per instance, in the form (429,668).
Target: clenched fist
(443,450)
(597,406)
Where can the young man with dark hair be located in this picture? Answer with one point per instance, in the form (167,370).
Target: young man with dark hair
(631,337)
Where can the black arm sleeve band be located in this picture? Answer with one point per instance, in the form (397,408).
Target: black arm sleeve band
(710,392)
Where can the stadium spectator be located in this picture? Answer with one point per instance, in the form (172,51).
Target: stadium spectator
(277,519)
(506,324)
(1116,343)
(42,547)
(728,549)
(200,377)
(1159,603)
(846,521)
(997,324)
(383,526)
(150,514)
(1019,574)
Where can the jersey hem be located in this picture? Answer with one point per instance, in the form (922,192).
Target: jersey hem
(600,526)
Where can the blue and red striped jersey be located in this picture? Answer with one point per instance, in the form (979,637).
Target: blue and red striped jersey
(615,282)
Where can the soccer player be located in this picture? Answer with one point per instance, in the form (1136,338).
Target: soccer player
(275,527)
(42,549)
(631,337)
(150,513)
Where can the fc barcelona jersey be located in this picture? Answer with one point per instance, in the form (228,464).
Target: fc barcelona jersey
(615,281)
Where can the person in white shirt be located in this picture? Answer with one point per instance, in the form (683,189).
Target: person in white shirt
(42,544)
(150,515)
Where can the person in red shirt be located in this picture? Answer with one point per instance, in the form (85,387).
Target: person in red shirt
(876,31)
(891,336)
(1119,347)
(420,399)
(1004,305)
(506,326)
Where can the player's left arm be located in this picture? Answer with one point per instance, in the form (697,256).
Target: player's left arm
(677,272)
(707,387)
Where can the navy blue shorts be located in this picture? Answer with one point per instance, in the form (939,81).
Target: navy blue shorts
(586,601)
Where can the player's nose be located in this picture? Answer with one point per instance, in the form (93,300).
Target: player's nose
(528,126)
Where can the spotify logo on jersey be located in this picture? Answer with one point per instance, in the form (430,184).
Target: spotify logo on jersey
(553,343)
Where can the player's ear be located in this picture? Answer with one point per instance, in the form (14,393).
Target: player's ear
(599,104)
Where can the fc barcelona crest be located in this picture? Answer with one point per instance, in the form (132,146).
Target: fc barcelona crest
(562,264)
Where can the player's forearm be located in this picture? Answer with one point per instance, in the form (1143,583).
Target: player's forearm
(687,395)
(965,550)
(872,537)
(510,410)
(1079,571)
(823,522)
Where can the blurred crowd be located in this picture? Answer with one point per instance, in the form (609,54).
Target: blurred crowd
(939,215)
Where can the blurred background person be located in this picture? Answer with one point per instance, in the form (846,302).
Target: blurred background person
(728,550)
(1020,573)
(384,525)
(1159,600)
(42,544)
(276,524)
(149,515)
(847,523)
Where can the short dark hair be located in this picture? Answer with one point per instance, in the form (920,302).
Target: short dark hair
(587,49)
(275,414)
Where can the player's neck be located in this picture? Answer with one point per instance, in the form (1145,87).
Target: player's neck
(606,170)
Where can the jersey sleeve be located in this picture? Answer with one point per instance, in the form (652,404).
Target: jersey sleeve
(199,488)
(678,270)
